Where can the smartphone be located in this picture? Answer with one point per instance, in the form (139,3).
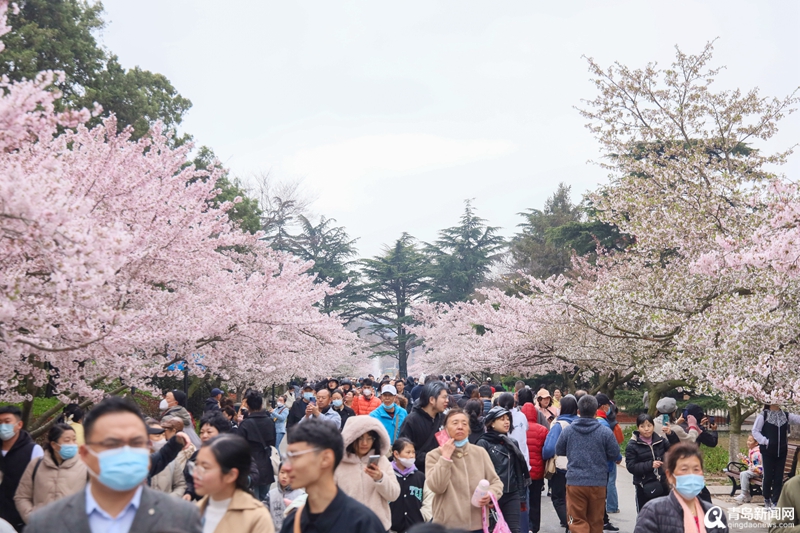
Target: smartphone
(665,419)
(712,420)
(685,414)
(373,459)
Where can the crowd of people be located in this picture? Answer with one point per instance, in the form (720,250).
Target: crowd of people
(372,456)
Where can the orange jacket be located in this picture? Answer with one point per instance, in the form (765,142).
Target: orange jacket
(362,406)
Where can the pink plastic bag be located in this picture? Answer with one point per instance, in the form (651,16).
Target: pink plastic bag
(501,526)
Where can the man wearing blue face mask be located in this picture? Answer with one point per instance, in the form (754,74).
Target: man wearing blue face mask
(298,409)
(117,456)
(18,450)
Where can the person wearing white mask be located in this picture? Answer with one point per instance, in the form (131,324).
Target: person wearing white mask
(18,449)
(366,402)
(407,508)
(174,404)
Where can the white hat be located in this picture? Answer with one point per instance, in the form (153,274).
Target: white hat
(389,389)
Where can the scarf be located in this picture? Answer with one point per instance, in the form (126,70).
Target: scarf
(494,437)
(404,472)
(689,524)
(776,418)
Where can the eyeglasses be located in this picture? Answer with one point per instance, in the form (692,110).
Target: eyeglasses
(366,438)
(291,455)
(197,470)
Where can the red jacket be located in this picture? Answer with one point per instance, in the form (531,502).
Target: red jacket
(536,435)
(362,406)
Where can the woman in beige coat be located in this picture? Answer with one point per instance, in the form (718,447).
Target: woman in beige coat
(221,475)
(58,474)
(452,473)
(374,485)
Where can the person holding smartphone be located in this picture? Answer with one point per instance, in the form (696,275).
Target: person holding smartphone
(365,472)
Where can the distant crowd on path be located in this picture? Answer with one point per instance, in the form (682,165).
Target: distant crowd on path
(373,456)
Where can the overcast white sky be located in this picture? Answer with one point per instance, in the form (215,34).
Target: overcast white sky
(394,113)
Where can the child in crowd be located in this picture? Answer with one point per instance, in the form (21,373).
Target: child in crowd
(754,468)
(280,496)
(407,508)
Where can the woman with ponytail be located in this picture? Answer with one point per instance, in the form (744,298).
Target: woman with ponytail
(222,475)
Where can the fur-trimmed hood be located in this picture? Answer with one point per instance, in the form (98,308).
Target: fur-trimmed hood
(358,425)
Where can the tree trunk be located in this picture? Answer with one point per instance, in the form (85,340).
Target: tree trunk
(655,390)
(738,416)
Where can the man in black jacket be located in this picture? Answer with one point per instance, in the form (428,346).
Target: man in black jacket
(315,448)
(298,410)
(18,450)
(425,420)
(259,431)
(212,402)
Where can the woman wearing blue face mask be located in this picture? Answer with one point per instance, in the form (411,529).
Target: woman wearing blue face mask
(453,472)
(338,403)
(682,511)
(57,474)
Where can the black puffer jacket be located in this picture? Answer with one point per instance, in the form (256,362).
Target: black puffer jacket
(259,431)
(665,515)
(639,456)
(509,463)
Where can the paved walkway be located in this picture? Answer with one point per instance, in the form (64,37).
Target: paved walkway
(625,520)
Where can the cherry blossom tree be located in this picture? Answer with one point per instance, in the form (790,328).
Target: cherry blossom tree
(116,263)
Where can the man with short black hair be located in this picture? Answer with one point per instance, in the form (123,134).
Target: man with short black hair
(258,429)
(117,455)
(366,402)
(299,407)
(314,450)
(588,446)
(485,392)
(18,450)
(425,420)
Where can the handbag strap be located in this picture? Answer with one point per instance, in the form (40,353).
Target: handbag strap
(497,507)
(298,515)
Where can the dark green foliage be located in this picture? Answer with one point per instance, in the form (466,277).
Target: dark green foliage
(60,35)
(393,282)
(332,250)
(246,213)
(462,257)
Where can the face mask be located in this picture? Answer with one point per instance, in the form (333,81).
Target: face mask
(461,443)
(280,404)
(689,485)
(388,407)
(163,405)
(158,444)
(7,431)
(122,469)
(367,393)
(68,451)
(337,403)
(308,396)
(407,463)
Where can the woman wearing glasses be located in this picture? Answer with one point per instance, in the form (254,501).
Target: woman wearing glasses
(365,473)
(221,477)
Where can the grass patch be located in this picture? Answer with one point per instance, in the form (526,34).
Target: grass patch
(40,405)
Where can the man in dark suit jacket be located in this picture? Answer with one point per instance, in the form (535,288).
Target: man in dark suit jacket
(117,456)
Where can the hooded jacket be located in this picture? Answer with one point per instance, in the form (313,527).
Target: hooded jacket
(391,422)
(549,449)
(350,475)
(589,447)
(536,437)
(52,483)
(421,429)
(276,505)
(211,404)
